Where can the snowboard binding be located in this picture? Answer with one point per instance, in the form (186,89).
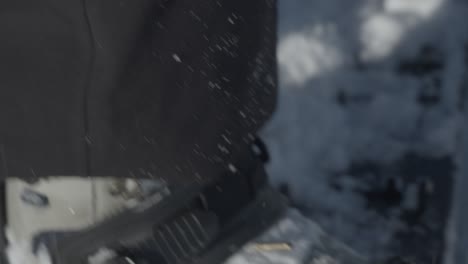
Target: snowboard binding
(197,223)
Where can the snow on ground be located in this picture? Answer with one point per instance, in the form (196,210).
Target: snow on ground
(297,241)
(366,82)
(20,252)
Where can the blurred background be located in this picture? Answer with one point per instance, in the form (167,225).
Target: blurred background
(368,135)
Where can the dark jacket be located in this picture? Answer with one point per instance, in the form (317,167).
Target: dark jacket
(133,88)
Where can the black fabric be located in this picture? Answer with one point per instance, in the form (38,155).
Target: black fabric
(45,58)
(3,223)
(133,88)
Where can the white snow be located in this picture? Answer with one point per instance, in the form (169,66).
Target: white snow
(102,256)
(232,168)
(380,35)
(423,8)
(353,47)
(19,251)
(307,55)
(72,206)
(176,58)
(306,243)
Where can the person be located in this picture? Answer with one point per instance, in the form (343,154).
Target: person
(146,110)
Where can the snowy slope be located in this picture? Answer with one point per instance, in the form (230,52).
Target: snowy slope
(366,84)
(304,242)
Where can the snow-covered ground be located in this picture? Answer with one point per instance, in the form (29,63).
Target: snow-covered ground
(367,125)
(306,243)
